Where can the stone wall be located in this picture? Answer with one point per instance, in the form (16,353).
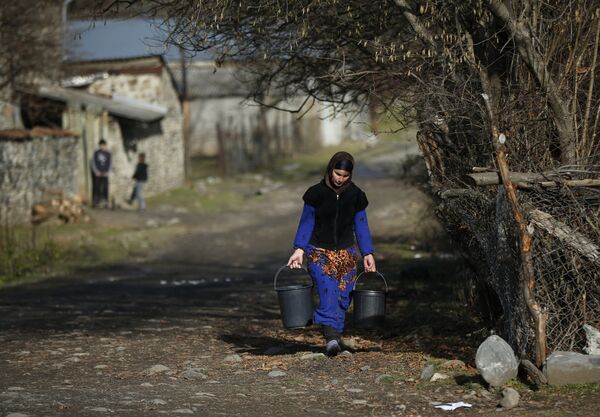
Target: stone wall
(146,87)
(31,165)
(164,156)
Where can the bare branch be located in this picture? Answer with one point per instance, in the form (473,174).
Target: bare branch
(535,62)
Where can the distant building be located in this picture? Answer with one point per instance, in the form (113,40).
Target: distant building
(225,123)
(133,104)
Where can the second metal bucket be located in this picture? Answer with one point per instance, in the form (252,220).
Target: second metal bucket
(369,306)
(295,303)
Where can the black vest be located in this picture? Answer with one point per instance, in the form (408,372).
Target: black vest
(334,214)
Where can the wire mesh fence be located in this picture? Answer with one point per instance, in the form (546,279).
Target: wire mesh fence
(562,211)
(566,222)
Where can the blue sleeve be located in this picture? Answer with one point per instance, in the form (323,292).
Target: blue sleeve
(305,228)
(363,235)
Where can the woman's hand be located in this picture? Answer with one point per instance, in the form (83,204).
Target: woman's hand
(369,263)
(296,259)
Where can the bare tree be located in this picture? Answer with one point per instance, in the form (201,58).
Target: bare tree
(31,35)
(492,84)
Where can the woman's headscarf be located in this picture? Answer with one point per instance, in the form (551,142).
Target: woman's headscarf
(340,160)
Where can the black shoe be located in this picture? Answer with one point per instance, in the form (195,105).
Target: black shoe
(332,348)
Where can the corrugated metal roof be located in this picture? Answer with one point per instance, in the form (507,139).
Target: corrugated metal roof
(129,58)
(116,105)
(114,63)
(143,64)
(84,80)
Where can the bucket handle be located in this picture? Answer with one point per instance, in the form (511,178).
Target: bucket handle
(375,272)
(279,272)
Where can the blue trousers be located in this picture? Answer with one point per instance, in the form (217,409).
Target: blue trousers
(137,193)
(334,275)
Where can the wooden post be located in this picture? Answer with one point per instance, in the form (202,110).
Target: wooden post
(222,166)
(186,139)
(433,157)
(185,108)
(104,125)
(527,272)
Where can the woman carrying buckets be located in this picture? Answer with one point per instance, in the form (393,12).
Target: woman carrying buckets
(334,213)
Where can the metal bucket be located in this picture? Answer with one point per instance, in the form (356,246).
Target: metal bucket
(295,303)
(369,306)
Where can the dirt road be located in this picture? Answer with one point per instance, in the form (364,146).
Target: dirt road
(194,328)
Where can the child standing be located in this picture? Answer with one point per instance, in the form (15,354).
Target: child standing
(101,165)
(140,176)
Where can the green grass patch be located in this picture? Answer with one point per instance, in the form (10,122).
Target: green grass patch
(92,245)
(308,165)
(591,388)
(24,250)
(54,248)
(203,167)
(215,198)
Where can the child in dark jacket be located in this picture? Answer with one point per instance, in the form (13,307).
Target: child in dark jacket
(140,176)
(100,165)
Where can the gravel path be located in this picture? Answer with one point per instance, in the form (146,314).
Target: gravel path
(195,330)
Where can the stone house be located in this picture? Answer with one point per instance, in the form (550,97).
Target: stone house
(133,104)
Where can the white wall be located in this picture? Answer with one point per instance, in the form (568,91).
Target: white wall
(318,127)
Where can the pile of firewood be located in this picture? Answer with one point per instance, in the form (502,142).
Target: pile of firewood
(54,205)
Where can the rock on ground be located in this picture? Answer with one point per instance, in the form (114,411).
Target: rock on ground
(427,372)
(564,368)
(313,356)
(384,378)
(194,373)
(496,361)
(592,335)
(233,358)
(510,398)
(438,376)
(156,369)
